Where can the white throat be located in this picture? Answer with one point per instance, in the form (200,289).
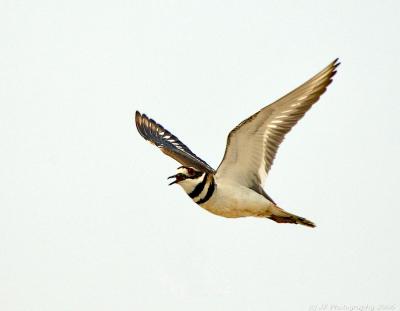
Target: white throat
(190,184)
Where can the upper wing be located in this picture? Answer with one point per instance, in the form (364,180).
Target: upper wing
(252,145)
(169,143)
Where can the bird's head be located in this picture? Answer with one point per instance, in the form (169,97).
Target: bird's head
(187,177)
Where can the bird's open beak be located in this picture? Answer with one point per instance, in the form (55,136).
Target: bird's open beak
(175,181)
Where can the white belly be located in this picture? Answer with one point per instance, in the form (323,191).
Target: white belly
(233,200)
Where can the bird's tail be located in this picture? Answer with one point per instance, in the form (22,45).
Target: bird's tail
(281,216)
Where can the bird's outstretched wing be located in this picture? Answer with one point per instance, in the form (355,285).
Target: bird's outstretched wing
(169,143)
(252,145)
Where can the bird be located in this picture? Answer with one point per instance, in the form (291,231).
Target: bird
(235,188)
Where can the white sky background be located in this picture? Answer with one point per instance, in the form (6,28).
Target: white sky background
(87,221)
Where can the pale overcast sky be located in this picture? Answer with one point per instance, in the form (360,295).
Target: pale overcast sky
(87,221)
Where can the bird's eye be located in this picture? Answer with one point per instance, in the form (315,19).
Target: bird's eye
(190,171)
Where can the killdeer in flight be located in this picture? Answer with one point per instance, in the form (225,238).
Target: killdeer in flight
(235,188)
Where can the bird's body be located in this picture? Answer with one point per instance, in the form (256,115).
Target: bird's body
(228,199)
(235,188)
(233,200)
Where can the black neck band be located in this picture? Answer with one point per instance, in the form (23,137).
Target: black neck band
(210,192)
(199,187)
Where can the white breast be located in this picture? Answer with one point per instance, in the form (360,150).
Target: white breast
(233,200)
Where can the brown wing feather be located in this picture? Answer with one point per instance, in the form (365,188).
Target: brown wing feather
(252,145)
(169,143)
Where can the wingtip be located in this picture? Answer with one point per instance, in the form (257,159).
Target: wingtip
(332,68)
(138,117)
(336,63)
(141,117)
(141,121)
